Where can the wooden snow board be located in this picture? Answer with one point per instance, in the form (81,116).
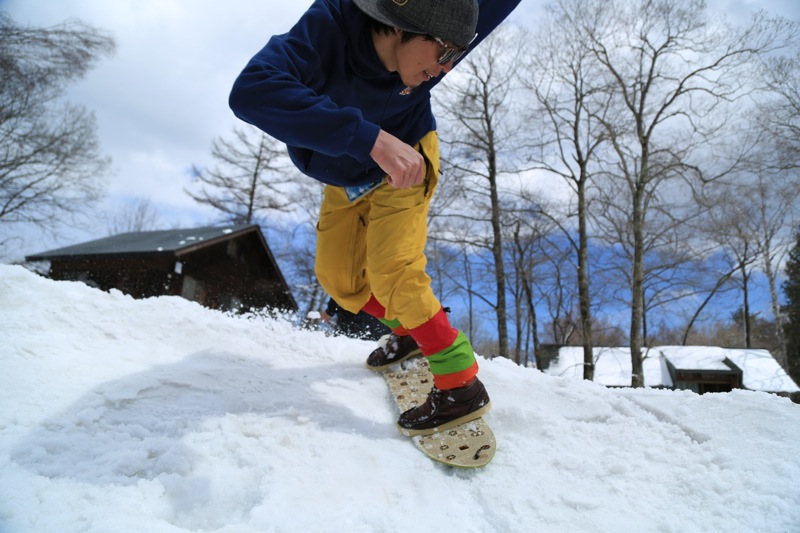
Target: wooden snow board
(469,445)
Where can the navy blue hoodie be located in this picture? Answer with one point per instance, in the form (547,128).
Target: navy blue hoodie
(322,90)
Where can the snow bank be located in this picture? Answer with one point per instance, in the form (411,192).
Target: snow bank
(159,415)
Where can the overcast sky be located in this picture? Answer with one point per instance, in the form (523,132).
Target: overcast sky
(162,98)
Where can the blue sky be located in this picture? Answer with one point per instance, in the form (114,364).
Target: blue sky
(162,98)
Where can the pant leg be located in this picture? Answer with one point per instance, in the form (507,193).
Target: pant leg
(341,260)
(396,235)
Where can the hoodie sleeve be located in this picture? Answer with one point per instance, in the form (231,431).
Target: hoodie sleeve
(278,91)
(492,14)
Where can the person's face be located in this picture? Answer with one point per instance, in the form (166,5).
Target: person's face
(418,61)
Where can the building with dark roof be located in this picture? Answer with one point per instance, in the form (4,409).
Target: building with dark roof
(229,268)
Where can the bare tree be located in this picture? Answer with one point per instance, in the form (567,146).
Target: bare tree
(777,167)
(720,282)
(139,215)
(441,258)
(568,105)
(296,246)
(778,202)
(756,229)
(761,198)
(764,189)
(482,134)
(556,291)
(736,231)
(671,74)
(50,161)
(525,237)
(456,268)
(780,115)
(251,177)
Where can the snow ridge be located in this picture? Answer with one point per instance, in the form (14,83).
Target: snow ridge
(159,415)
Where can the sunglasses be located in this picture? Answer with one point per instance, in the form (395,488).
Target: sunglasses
(451,53)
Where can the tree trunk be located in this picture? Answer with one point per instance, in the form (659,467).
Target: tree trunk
(497,252)
(584,300)
(775,305)
(746,306)
(637,290)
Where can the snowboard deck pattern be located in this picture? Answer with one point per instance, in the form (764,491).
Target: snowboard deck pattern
(469,445)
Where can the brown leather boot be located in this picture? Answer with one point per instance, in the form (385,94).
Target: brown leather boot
(392,349)
(445,409)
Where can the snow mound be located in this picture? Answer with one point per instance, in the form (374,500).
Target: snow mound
(159,415)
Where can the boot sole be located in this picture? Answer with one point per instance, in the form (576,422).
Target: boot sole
(394,361)
(469,417)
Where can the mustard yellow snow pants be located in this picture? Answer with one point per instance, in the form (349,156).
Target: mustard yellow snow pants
(373,248)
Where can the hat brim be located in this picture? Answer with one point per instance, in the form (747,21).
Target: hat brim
(371,8)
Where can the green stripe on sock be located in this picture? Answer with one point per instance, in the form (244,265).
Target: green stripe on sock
(457,357)
(391,324)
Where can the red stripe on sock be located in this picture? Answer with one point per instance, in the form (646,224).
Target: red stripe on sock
(435,335)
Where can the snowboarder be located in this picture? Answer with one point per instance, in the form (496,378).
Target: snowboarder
(348,90)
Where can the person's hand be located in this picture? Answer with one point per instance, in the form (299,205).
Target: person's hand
(324,316)
(403,165)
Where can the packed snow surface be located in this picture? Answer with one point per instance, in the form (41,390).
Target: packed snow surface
(121,415)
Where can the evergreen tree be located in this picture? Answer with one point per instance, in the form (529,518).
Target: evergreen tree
(791,288)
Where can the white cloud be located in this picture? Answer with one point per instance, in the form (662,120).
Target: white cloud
(162,99)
